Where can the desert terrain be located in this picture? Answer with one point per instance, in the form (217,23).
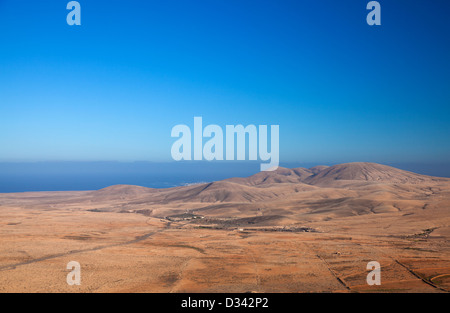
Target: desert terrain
(290,230)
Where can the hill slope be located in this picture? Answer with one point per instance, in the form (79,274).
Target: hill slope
(375,180)
(370,172)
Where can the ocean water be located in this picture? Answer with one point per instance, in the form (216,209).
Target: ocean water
(62,176)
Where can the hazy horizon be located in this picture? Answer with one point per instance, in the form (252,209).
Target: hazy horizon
(71,175)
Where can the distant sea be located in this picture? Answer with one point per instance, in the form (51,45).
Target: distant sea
(62,176)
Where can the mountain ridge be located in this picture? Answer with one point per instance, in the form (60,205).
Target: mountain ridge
(268,186)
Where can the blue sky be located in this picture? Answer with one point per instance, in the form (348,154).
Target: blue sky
(113,88)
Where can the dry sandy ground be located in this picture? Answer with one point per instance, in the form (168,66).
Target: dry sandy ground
(284,231)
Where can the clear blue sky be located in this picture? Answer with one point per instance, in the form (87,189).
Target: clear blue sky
(113,88)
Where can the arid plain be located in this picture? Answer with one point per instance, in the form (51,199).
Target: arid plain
(291,230)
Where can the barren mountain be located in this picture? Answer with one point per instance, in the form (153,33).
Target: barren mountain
(318,168)
(118,192)
(280,175)
(375,181)
(228,191)
(363,171)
